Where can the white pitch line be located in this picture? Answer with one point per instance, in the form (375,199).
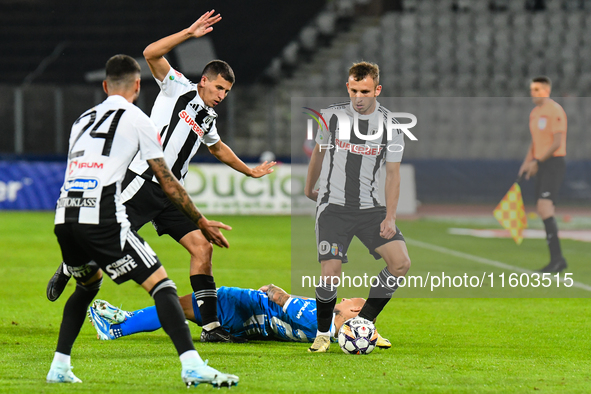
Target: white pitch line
(483,260)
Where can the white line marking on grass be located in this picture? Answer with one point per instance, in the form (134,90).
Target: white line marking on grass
(484,261)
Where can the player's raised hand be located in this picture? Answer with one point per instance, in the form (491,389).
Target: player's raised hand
(262,169)
(211,231)
(388,228)
(203,25)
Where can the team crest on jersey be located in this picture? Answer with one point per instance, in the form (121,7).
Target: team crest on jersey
(81,184)
(542,122)
(208,120)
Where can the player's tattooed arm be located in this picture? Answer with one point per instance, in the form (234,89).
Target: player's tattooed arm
(177,194)
(174,190)
(276,294)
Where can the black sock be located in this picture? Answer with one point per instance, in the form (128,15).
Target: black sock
(207,300)
(74,315)
(326,299)
(379,295)
(171,315)
(552,238)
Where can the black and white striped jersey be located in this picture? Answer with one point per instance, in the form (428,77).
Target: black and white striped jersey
(103,142)
(183,120)
(351,168)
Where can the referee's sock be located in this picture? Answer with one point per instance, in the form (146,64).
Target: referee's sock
(326,299)
(552,239)
(207,300)
(379,295)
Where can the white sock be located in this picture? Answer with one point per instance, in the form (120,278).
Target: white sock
(61,358)
(322,334)
(190,358)
(211,326)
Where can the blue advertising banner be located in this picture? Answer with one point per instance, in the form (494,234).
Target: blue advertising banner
(30,185)
(35,185)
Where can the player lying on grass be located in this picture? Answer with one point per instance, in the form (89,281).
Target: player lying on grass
(267,313)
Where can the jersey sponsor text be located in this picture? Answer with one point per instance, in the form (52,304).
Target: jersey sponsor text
(77,202)
(121,267)
(81,184)
(192,124)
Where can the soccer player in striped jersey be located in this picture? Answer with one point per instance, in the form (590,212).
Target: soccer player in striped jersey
(184,115)
(268,313)
(347,202)
(91,224)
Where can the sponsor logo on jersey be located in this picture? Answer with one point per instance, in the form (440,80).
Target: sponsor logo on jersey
(542,122)
(176,80)
(81,184)
(301,311)
(191,123)
(74,202)
(121,267)
(81,164)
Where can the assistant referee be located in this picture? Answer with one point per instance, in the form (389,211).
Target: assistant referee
(545,160)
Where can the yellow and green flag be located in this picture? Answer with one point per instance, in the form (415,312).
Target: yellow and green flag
(511,213)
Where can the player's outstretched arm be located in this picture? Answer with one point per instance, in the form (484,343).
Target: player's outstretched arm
(154,53)
(276,294)
(314,172)
(388,226)
(179,197)
(226,155)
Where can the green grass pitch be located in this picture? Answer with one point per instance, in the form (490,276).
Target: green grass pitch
(440,345)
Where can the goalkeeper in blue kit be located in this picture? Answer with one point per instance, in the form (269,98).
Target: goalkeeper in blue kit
(268,314)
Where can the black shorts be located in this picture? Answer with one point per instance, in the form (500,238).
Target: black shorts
(150,204)
(549,178)
(83,243)
(336,226)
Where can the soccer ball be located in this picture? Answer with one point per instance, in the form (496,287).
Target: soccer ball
(358,336)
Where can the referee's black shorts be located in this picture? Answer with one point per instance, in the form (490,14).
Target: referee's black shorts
(549,178)
(150,204)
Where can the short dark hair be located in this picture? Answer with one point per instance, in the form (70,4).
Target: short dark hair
(122,69)
(219,67)
(363,69)
(542,79)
